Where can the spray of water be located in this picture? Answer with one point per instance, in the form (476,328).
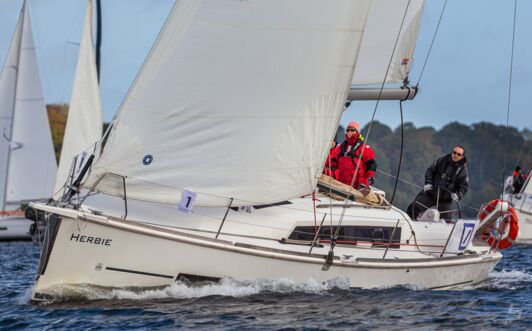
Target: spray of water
(179,290)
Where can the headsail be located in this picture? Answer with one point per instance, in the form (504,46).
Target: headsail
(84,122)
(380,35)
(31,164)
(237,99)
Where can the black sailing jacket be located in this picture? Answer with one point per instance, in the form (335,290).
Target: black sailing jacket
(450,175)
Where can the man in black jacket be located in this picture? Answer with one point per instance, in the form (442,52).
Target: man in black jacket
(446,180)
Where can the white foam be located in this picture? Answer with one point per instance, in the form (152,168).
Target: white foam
(179,290)
(505,279)
(511,276)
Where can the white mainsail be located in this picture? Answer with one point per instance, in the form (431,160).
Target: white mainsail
(84,122)
(8,81)
(237,99)
(382,28)
(27,150)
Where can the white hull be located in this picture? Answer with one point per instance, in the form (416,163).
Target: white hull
(523,207)
(525,227)
(132,254)
(15,228)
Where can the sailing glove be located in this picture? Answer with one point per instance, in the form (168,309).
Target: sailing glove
(454,196)
(371,180)
(427,187)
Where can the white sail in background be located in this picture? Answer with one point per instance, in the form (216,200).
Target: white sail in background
(380,35)
(237,99)
(8,81)
(31,160)
(84,122)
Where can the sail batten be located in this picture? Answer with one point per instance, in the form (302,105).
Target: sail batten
(236,100)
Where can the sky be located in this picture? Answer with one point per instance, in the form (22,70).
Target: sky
(466,78)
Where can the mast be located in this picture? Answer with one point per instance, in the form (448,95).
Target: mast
(21,27)
(98,35)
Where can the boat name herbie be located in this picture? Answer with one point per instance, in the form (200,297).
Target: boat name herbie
(90,240)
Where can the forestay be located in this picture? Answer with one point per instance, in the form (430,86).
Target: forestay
(84,123)
(237,99)
(380,35)
(30,153)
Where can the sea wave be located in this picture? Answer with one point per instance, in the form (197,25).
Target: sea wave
(505,280)
(180,290)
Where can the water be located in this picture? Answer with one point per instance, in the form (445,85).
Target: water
(503,301)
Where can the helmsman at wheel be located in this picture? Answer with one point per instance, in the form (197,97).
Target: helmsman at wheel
(446,180)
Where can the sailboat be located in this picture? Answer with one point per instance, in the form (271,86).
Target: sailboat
(85,121)
(522,203)
(212,167)
(27,159)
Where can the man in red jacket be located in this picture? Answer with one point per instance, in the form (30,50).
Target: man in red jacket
(354,154)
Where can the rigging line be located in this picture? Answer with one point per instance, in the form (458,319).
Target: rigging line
(62,84)
(401,179)
(509,99)
(521,151)
(370,125)
(432,43)
(417,186)
(400,153)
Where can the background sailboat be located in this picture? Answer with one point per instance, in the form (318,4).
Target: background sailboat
(84,122)
(27,160)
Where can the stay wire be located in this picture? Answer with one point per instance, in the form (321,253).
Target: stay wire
(505,155)
(400,153)
(367,135)
(432,43)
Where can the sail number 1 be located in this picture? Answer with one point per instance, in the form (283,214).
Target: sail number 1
(188,199)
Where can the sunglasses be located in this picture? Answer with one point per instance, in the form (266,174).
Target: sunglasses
(351,130)
(457,154)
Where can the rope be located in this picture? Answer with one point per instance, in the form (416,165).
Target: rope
(432,43)
(62,87)
(400,154)
(367,135)
(509,100)
(418,186)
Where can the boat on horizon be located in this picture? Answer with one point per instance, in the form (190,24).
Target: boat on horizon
(27,158)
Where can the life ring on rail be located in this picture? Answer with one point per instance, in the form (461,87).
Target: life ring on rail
(505,236)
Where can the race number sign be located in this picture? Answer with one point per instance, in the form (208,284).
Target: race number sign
(187,201)
(461,237)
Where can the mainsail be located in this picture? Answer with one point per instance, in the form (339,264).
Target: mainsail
(28,164)
(237,99)
(388,21)
(84,123)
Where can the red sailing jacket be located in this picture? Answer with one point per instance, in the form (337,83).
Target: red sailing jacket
(347,158)
(331,163)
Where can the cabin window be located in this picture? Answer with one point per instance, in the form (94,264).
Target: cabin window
(378,236)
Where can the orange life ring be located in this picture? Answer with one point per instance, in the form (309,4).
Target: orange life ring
(505,236)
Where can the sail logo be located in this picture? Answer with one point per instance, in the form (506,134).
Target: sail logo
(90,240)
